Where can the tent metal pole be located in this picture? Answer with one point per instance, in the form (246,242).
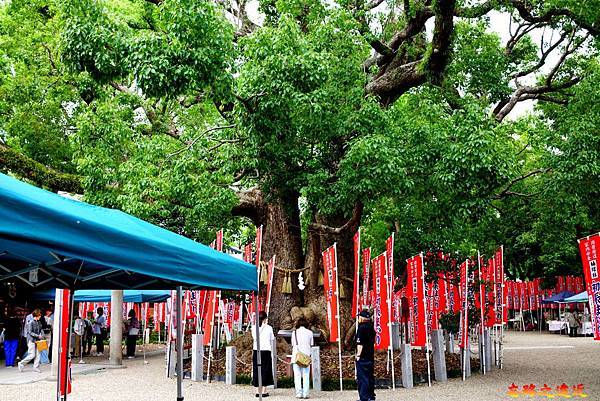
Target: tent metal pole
(258,358)
(179,347)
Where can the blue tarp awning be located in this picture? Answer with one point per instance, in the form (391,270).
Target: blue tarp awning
(136,296)
(579,298)
(72,244)
(560,297)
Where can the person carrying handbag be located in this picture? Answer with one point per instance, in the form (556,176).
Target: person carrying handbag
(33,334)
(302,342)
(133,330)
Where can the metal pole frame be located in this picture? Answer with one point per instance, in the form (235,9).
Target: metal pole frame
(337,312)
(179,346)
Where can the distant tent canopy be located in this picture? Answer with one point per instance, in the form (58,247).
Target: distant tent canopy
(136,296)
(582,297)
(72,244)
(560,297)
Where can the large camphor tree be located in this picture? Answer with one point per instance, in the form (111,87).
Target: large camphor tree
(313,118)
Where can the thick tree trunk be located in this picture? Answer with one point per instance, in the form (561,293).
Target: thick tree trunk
(282,237)
(280,218)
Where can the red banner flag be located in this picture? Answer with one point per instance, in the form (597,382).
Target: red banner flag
(330,286)
(453,294)
(442,294)
(533,294)
(248,253)
(381,301)
(259,234)
(524,297)
(590,258)
(213,308)
(366,254)
(270,273)
(397,305)
(356,286)
(432,321)
(416,297)
(499,285)
(389,251)
(463,331)
(64,363)
(219,243)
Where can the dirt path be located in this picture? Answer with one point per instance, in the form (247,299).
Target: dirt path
(529,358)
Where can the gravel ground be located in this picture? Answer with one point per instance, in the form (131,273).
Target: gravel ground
(529,358)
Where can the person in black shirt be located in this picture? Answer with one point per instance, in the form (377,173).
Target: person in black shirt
(365,353)
(12,332)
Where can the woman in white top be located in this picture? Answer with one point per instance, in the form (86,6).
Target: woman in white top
(266,339)
(302,341)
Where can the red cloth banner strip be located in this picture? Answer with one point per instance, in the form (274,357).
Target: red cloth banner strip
(220,240)
(331,291)
(366,255)
(381,302)
(356,284)
(590,257)
(416,299)
(463,331)
(213,309)
(389,251)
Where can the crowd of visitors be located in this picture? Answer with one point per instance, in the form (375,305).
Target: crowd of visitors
(302,342)
(26,338)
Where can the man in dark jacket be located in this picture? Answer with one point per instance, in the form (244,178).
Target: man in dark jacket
(365,356)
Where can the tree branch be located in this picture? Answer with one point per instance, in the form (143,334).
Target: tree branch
(542,60)
(476,11)
(507,192)
(526,12)
(350,224)
(191,143)
(251,204)
(12,161)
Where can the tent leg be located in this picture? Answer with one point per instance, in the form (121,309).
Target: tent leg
(179,347)
(258,358)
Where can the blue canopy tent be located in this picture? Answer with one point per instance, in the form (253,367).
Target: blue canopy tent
(76,245)
(136,296)
(560,297)
(72,244)
(582,297)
